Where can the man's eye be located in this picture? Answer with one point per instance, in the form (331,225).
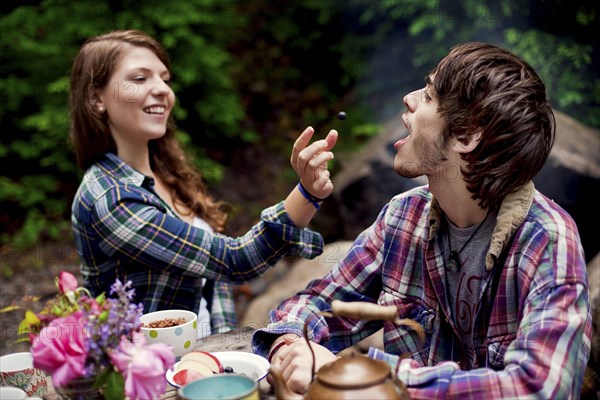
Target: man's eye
(425,95)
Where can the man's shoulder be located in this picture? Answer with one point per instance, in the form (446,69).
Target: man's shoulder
(548,213)
(411,206)
(419,195)
(547,223)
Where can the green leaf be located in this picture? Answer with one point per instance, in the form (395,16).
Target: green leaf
(115,385)
(9,308)
(103,316)
(31,318)
(101,297)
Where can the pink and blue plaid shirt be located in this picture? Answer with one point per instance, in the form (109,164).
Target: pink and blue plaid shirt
(537,341)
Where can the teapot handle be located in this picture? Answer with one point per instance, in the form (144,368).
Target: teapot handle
(372,311)
(401,387)
(282,392)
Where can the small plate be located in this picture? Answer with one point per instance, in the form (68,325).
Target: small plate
(169,375)
(249,364)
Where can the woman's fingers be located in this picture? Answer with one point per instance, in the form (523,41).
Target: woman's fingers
(310,162)
(300,144)
(331,139)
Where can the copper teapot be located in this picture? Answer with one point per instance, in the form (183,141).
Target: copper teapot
(353,376)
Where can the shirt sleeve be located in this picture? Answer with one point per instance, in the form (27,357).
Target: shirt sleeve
(355,278)
(130,227)
(223,317)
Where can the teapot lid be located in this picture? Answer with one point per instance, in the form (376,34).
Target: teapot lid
(354,371)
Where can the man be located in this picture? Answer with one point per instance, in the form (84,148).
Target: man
(492,270)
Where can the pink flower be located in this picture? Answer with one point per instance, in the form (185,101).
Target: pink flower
(143,366)
(59,349)
(66,282)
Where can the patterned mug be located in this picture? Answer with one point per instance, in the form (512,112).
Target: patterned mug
(17,370)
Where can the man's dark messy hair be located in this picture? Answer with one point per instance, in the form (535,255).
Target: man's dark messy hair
(480,87)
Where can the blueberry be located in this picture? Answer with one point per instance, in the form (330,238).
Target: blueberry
(228,370)
(341,116)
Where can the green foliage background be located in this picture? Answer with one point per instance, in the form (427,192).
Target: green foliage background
(251,74)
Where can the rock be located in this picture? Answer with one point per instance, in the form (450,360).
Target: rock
(571,177)
(593,269)
(594,282)
(367,181)
(288,278)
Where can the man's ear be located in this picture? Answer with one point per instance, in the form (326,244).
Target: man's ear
(467,143)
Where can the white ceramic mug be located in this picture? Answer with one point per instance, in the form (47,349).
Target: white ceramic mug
(17,370)
(12,393)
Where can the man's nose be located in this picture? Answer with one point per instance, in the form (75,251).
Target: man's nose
(410,100)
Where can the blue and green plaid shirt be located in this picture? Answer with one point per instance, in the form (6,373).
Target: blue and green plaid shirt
(124,230)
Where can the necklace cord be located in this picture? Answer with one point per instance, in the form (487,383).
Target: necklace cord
(454,254)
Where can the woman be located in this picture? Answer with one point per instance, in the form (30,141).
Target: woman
(142,212)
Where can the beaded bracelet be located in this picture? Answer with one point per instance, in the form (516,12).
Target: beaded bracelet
(311,199)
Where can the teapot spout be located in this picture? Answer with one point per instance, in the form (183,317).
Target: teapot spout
(282,392)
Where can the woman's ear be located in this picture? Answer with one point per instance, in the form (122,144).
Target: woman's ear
(467,143)
(96,101)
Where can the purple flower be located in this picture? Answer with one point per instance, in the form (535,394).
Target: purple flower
(143,366)
(60,348)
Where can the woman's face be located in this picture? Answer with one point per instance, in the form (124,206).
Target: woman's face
(137,98)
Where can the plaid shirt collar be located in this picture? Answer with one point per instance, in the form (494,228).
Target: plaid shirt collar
(511,215)
(123,172)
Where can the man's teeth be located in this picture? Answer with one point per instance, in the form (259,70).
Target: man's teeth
(154,110)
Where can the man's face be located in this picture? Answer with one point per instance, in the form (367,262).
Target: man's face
(424,151)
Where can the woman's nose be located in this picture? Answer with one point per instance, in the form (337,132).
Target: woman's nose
(161,88)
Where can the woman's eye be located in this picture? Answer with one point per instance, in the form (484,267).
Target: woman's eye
(167,81)
(139,79)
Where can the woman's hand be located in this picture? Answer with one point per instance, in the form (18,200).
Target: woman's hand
(310,162)
(294,361)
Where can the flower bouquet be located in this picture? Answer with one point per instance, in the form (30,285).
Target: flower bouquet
(96,342)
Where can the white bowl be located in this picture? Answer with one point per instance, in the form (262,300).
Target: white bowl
(181,337)
(248,364)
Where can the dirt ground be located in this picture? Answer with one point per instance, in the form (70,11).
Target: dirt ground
(33,273)
(29,273)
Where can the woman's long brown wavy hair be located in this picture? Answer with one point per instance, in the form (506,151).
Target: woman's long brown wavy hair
(482,87)
(91,136)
